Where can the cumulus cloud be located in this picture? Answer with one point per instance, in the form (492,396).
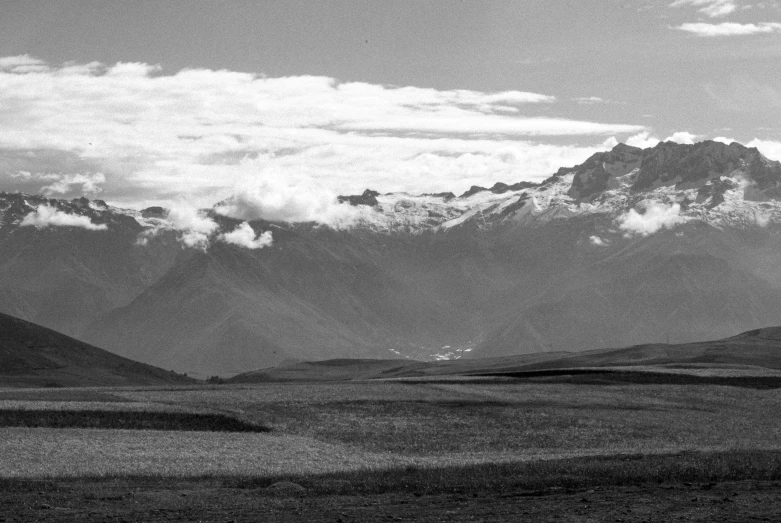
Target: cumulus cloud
(194,225)
(289,201)
(656,216)
(197,133)
(642,140)
(244,236)
(729,29)
(48,216)
(710,8)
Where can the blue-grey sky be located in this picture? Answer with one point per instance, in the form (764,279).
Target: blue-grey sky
(147,102)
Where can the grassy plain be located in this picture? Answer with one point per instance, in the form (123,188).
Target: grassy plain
(377,425)
(418,449)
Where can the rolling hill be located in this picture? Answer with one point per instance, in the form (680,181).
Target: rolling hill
(749,353)
(34,356)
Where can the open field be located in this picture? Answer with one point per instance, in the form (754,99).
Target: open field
(401,442)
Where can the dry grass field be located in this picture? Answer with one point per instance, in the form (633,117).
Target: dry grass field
(318,427)
(422,437)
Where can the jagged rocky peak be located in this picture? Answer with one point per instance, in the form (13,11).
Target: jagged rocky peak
(499,188)
(368,197)
(154,212)
(671,164)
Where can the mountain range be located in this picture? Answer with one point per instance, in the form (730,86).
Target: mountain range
(675,243)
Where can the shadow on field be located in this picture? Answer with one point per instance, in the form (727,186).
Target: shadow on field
(140,420)
(616,377)
(535,478)
(540,477)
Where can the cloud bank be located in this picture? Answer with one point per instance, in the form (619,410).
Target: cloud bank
(148,138)
(657,216)
(282,200)
(48,216)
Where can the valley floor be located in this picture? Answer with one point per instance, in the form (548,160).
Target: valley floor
(590,448)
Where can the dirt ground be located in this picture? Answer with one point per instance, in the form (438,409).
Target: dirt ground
(208,501)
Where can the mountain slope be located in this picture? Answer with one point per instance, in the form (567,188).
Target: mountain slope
(678,242)
(31,355)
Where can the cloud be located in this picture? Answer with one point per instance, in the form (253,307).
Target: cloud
(722,139)
(596,240)
(276,199)
(657,216)
(195,226)
(645,140)
(769,148)
(198,133)
(729,29)
(710,8)
(90,184)
(22,64)
(642,140)
(47,216)
(244,236)
(62,183)
(591,100)
(496,124)
(682,137)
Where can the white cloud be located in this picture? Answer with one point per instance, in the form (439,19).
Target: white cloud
(729,29)
(642,140)
(722,139)
(490,124)
(22,64)
(90,184)
(711,8)
(244,236)
(610,142)
(194,225)
(596,240)
(657,216)
(47,216)
(198,133)
(682,137)
(769,148)
(276,199)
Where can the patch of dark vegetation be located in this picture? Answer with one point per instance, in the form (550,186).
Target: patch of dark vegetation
(60,395)
(139,420)
(542,476)
(612,377)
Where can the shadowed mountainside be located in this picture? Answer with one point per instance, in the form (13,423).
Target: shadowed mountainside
(34,356)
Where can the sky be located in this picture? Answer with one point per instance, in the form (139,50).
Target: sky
(290,103)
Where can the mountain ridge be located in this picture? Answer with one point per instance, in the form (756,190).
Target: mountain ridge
(509,270)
